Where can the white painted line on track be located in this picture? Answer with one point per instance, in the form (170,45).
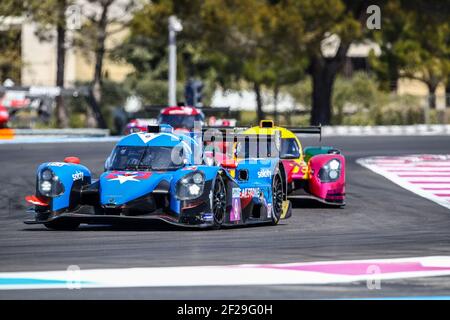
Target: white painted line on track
(324,272)
(430,184)
(60,139)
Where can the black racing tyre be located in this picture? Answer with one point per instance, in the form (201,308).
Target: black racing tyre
(62,225)
(277,198)
(219,201)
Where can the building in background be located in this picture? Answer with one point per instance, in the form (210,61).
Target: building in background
(38,58)
(39,61)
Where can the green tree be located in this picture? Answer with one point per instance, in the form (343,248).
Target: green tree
(264,39)
(414,43)
(230,43)
(146,49)
(50,15)
(426,55)
(388,64)
(10,57)
(251,36)
(103,18)
(321,21)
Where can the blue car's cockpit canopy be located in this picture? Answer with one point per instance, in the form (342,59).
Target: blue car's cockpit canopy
(155,150)
(146,158)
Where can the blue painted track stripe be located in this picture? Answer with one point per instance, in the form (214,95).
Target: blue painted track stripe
(28,281)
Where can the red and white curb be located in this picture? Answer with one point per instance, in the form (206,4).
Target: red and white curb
(426,175)
(324,272)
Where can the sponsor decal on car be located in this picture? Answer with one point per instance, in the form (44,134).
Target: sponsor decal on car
(207,217)
(250,192)
(269,210)
(146,137)
(189,168)
(78,175)
(56,164)
(124,176)
(235,214)
(264,173)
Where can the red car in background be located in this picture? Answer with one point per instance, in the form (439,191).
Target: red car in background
(11,100)
(4,117)
(180,118)
(139,125)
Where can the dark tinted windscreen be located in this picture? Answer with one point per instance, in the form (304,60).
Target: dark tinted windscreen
(289,149)
(146,158)
(180,121)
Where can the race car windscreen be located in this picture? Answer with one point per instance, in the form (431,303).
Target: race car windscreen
(146,158)
(289,149)
(180,121)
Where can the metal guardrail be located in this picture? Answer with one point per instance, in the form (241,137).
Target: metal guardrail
(420,129)
(392,130)
(103,135)
(72,132)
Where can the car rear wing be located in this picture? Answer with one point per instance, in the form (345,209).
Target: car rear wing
(307,130)
(205,109)
(268,124)
(300,130)
(234,135)
(214,110)
(224,129)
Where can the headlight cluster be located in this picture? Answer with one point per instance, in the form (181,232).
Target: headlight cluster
(190,186)
(49,184)
(331,171)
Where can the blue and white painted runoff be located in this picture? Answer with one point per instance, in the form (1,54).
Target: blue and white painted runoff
(324,272)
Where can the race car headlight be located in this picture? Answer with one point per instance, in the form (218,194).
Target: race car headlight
(198,178)
(49,184)
(47,175)
(46,186)
(191,186)
(331,171)
(194,190)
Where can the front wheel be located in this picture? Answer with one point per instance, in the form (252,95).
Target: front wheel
(277,198)
(219,201)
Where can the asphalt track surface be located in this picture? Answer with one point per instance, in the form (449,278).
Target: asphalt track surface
(381,220)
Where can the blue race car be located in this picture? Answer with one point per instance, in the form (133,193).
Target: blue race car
(155,175)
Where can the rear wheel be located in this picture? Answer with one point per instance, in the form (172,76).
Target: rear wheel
(277,198)
(219,201)
(62,225)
